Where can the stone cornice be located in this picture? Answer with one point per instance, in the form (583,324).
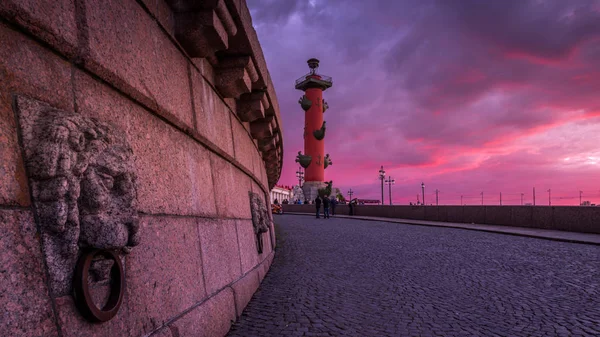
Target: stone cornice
(221,32)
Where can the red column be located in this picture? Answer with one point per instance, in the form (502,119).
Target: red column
(313,120)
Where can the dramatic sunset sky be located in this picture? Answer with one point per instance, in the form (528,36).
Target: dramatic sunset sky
(464,95)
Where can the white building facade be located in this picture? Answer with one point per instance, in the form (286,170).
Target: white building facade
(281,193)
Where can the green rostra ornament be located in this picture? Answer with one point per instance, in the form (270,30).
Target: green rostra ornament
(326,191)
(320,133)
(327,161)
(303,160)
(305,103)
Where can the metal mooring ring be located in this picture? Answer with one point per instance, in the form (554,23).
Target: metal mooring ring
(83,299)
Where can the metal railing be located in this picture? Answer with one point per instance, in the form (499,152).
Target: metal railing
(324,78)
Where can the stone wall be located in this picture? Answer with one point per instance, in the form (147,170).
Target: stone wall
(566,218)
(186,84)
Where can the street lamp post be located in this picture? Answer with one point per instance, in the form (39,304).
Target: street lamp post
(300,176)
(382,178)
(390,182)
(549,197)
(350,192)
(580,193)
(461,200)
(423,192)
(436,197)
(522,194)
(482,198)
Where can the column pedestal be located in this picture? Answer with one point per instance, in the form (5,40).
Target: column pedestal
(311,189)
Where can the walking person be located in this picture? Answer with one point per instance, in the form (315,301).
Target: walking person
(333,204)
(318,204)
(326,207)
(351,205)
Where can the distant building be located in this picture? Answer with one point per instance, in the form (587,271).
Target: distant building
(281,193)
(586,203)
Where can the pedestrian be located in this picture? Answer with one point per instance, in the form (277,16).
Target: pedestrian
(325,207)
(318,204)
(333,204)
(352,205)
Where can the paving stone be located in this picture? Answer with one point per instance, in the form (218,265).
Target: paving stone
(343,277)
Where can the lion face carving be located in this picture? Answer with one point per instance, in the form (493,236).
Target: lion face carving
(83,184)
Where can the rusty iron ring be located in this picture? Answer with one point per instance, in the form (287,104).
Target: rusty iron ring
(81,287)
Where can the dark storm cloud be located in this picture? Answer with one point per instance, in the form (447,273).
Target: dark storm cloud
(420,81)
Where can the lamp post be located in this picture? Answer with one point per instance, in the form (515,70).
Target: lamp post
(382,178)
(580,193)
(522,194)
(461,200)
(436,197)
(300,176)
(350,192)
(390,182)
(423,192)
(549,197)
(482,198)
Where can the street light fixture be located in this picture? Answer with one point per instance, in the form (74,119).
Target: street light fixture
(423,190)
(390,182)
(382,178)
(350,192)
(300,176)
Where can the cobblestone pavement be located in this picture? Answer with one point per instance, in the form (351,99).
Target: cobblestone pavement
(340,277)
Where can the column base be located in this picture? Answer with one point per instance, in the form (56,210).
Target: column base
(311,189)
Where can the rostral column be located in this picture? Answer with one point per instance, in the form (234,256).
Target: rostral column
(314,160)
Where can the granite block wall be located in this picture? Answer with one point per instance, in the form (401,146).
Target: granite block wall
(565,218)
(137,66)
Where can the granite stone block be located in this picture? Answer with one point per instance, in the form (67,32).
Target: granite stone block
(213,118)
(498,215)
(28,69)
(53,21)
(174,171)
(431,213)
(245,150)
(24,298)
(474,214)
(164,332)
(212,318)
(231,189)
(243,289)
(163,13)
(165,274)
(137,57)
(455,213)
(543,217)
(163,277)
(220,253)
(521,216)
(247,245)
(582,219)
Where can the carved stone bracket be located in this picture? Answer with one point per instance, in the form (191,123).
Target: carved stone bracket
(320,133)
(83,180)
(235,75)
(261,129)
(203,27)
(218,35)
(251,106)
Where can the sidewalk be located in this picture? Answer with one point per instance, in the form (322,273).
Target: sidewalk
(548,234)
